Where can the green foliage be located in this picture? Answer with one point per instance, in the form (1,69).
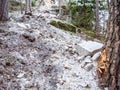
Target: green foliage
(92,34)
(88,32)
(72,28)
(33,3)
(64,26)
(82,16)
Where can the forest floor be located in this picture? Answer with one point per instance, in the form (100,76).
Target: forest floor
(37,56)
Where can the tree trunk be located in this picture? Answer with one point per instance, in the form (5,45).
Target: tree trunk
(97,18)
(60,10)
(3,10)
(112,47)
(28,7)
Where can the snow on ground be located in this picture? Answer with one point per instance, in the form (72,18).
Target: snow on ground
(38,56)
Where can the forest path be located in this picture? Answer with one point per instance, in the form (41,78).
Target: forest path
(37,56)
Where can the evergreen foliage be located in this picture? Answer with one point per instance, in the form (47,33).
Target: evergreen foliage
(82,13)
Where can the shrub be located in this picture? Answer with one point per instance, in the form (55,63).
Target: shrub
(33,3)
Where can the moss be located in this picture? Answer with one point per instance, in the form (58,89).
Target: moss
(71,28)
(88,32)
(64,26)
(92,34)
(54,23)
(63,7)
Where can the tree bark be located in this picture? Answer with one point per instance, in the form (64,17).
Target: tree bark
(112,47)
(28,7)
(3,10)
(97,18)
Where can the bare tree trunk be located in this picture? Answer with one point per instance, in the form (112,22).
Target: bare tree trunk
(21,7)
(60,8)
(97,28)
(112,48)
(28,7)
(3,10)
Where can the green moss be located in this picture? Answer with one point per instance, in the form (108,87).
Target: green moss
(72,28)
(64,26)
(63,7)
(88,32)
(33,3)
(54,23)
(92,34)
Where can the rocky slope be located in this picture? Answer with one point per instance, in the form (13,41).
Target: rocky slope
(37,56)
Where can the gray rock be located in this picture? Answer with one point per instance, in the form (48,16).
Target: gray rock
(95,56)
(88,67)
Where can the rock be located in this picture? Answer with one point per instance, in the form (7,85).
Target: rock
(68,68)
(28,25)
(80,58)
(69,46)
(66,48)
(2,69)
(75,75)
(83,84)
(88,60)
(22,25)
(55,56)
(29,37)
(88,86)
(21,75)
(59,76)
(29,85)
(88,67)
(19,57)
(94,58)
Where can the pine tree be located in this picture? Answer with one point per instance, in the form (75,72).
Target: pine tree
(112,47)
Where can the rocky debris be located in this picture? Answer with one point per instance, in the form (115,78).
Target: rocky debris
(95,57)
(88,67)
(37,56)
(29,37)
